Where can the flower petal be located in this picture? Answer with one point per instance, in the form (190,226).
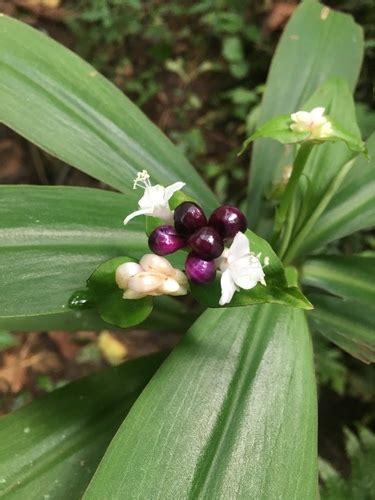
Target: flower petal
(142,211)
(169,286)
(154,263)
(239,248)
(173,188)
(317,113)
(228,288)
(152,197)
(132,295)
(145,282)
(303,117)
(126,271)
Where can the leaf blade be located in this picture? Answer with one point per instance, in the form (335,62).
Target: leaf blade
(314,43)
(59,102)
(348,323)
(219,411)
(350,277)
(62,436)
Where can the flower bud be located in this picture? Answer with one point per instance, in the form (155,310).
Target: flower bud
(125,271)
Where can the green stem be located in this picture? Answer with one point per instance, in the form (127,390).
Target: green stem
(288,228)
(298,166)
(301,237)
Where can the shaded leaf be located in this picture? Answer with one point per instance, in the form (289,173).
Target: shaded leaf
(348,323)
(59,102)
(52,240)
(51,447)
(230,414)
(49,250)
(360,484)
(349,277)
(351,209)
(317,43)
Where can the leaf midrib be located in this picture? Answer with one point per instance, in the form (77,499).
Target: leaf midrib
(205,471)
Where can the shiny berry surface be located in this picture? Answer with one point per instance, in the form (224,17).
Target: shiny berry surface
(207,243)
(228,221)
(188,217)
(198,270)
(164,240)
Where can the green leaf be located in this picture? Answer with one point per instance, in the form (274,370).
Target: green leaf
(108,296)
(348,323)
(360,484)
(277,290)
(53,238)
(316,44)
(232,49)
(278,128)
(230,414)
(51,447)
(348,277)
(351,209)
(326,162)
(7,340)
(59,102)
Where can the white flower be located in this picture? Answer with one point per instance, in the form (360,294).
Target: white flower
(314,122)
(240,268)
(153,275)
(155,200)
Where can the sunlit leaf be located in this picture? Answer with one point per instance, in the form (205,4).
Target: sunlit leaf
(230,414)
(59,102)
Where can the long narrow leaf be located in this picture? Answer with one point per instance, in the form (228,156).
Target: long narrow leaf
(52,239)
(230,414)
(317,43)
(51,447)
(350,210)
(59,102)
(348,323)
(348,277)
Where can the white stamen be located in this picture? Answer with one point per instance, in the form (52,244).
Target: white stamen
(142,180)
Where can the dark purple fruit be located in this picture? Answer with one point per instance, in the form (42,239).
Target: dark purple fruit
(228,221)
(164,240)
(188,217)
(206,243)
(198,270)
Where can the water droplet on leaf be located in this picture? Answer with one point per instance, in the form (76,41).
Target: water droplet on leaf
(81,299)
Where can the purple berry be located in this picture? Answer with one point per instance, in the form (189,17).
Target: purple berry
(164,240)
(199,270)
(228,221)
(207,243)
(188,217)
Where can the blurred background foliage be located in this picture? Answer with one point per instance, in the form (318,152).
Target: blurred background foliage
(197,69)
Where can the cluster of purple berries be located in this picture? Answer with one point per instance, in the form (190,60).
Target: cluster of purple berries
(204,238)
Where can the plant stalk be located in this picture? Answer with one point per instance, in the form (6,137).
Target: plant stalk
(298,166)
(300,238)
